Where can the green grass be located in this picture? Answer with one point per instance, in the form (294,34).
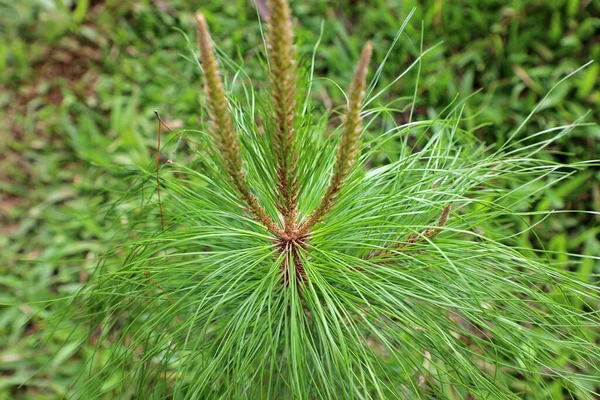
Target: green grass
(79,88)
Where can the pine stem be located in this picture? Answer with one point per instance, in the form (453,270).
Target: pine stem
(430,233)
(223,130)
(347,150)
(433,232)
(283,88)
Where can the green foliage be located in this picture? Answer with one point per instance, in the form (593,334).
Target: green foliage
(378,301)
(69,132)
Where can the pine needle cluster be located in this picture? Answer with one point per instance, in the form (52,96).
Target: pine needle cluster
(287,269)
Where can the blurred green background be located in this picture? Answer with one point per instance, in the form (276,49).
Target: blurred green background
(79,81)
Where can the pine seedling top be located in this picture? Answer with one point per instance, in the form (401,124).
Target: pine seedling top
(293,232)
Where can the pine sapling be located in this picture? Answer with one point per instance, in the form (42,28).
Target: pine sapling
(284,267)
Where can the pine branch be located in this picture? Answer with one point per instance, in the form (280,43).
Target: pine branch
(347,151)
(430,233)
(283,79)
(223,130)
